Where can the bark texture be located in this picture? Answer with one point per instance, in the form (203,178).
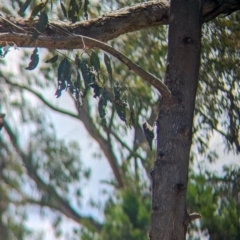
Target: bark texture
(174,123)
(62,35)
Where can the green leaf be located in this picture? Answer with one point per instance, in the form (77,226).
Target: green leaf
(34,60)
(117,93)
(88,77)
(64,70)
(41,24)
(86,3)
(94,60)
(78,81)
(64,75)
(130,206)
(73,10)
(130,100)
(108,65)
(132,120)
(121,110)
(102,104)
(64,10)
(96,89)
(52,60)
(36,10)
(24,7)
(82,64)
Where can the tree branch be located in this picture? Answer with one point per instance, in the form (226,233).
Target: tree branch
(61,204)
(191,217)
(40,97)
(59,35)
(104,28)
(134,153)
(84,116)
(155,82)
(89,125)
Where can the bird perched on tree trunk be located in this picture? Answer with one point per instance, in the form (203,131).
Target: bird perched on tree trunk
(149,133)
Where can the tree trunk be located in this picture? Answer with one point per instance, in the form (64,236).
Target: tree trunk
(174,123)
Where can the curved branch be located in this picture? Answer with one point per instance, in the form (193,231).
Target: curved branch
(40,97)
(104,28)
(73,36)
(61,204)
(154,81)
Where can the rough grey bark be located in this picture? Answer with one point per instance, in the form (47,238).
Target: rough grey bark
(62,35)
(174,123)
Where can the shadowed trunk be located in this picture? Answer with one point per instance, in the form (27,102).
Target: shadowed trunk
(174,123)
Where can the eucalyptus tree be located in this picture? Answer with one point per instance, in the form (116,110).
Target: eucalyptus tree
(170,103)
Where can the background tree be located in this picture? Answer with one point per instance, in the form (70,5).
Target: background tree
(41,156)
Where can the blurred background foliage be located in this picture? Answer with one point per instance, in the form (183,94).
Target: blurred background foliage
(40,170)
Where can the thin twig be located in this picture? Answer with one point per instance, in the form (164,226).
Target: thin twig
(39,95)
